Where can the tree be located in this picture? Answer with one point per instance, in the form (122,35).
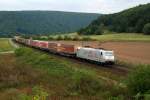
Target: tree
(131,20)
(100,29)
(138,81)
(146,29)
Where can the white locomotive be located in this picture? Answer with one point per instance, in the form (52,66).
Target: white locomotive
(97,55)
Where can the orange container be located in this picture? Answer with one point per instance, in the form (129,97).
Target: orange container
(53,47)
(68,49)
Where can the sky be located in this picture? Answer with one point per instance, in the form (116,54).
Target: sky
(90,6)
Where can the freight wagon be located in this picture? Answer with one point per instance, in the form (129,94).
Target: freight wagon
(43,45)
(68,50)
(53,47)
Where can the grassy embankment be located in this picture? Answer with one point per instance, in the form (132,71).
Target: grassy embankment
(5,45)
(105,37)
(29,74)
(40,75)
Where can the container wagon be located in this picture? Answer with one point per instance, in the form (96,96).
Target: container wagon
(68,50)
(43,45)
(53,47)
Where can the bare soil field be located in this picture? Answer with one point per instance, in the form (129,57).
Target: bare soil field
(131,52)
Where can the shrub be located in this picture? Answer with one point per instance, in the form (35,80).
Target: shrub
(85,84)
(38,93)
(19,52)
(59,37)
(22,51)
(139,80)
(51,38)
(87,39)
(67,37)
(146,29)
(76,38)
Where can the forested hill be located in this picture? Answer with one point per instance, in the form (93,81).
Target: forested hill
(41,22)
(132,20)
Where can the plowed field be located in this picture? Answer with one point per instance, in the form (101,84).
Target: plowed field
(132,52)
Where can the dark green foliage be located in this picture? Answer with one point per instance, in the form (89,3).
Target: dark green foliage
(76,38)
(139,80)
(59,37)
(85,84)
(131,20)
(146,29)
(42,22)
(67,37)
(51,38)
(87,39)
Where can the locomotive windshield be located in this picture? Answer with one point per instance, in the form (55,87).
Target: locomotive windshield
(108,53)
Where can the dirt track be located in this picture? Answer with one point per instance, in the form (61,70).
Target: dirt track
(132,52)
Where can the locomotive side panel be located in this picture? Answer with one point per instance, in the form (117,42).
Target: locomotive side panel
(89,54)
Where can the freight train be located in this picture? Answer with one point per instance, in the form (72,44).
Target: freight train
(89,54)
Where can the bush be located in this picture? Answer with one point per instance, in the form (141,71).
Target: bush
(38,93)
(139,80)
(85,84)
(87,39)
(146,29)
(67,37)
(59,37)
(76,38)
(51,38)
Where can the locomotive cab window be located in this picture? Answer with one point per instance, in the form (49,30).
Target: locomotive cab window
(108,53)
(101,53)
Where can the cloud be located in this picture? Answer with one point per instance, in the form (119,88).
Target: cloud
(94,6)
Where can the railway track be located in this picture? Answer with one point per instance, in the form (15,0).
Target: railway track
(115,68)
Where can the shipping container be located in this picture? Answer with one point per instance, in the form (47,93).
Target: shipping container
(35,43)
(53,47)
(29,42)
(67,49)
(26,41)
(43,44)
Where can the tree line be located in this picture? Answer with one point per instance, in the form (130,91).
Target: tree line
(42,22)
(133,20)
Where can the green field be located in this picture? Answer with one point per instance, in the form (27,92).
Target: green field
(105,37)
(121,37)
(5,45)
